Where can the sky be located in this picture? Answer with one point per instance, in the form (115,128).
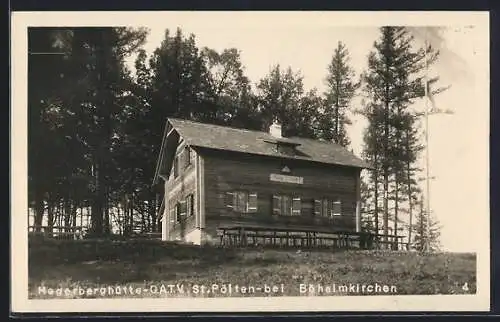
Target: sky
(458,143)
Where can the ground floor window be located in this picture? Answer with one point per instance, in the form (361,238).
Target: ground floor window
(327,207)
(286,205)
(179,211)
(242,201)
(336,208)
(183,208)
(190,205)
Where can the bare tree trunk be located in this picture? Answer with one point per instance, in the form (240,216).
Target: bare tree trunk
(386,172)
(396,194)
(396,209)
(144,214)
(50,218)
(152,214)
(89,218)
(422,227)
(376,196)
(67,215)
(410,195)
(97,207)
(337,118)
(131,217)
(386,150)
(81,216)
(119,220)
(39,212)
(105,101)
(158,216)
(125,216)
(386,204)
(74,210)
(107,224)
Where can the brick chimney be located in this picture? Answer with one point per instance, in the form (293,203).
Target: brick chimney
(275,129)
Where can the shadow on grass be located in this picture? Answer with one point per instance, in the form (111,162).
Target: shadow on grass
(123,261)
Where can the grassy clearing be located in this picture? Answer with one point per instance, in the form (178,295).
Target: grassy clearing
(70,268)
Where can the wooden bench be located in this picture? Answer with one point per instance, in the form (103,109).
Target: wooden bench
(243,236)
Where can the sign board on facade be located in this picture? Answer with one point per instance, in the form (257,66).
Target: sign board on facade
(286,179)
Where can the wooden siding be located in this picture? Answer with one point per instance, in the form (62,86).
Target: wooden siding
(232,171)
(178,189)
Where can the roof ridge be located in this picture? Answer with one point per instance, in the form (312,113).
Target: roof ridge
(218,125)
(317,141)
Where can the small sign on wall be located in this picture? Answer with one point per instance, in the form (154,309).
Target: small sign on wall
(286,179)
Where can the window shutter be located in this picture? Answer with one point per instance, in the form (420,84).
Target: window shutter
(296,206)
(183,209)
(317,207)
(252,202)
(336,208)
(176,166)
(277,205)
(173,215)
(191,204)
(181,159)
(229,200)
(187,157)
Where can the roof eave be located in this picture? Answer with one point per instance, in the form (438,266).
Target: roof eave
(279,156)
(169,127)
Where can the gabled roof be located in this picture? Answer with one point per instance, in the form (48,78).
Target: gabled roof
(226,138)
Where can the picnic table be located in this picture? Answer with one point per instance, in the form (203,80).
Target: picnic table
(238,235)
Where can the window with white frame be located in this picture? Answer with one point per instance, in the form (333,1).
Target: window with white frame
(176,166)
(296,206)
(187,156)
(176,213)
(336,208)
(286,205)
(189,205)
(181,210)
(242,201)
(327,207)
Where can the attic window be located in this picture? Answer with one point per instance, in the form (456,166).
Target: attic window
(283,146)
(176,166)
(187,156)
(285,149)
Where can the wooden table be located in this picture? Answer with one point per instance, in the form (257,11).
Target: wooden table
(239,235)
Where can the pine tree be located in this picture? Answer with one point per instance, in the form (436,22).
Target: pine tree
(341,88)
(392,82)
(46,76)
(367,211)
(80,113)
(427,231)
(180,85)
(281,96)
(410,186)
(229,91)
(107,49)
